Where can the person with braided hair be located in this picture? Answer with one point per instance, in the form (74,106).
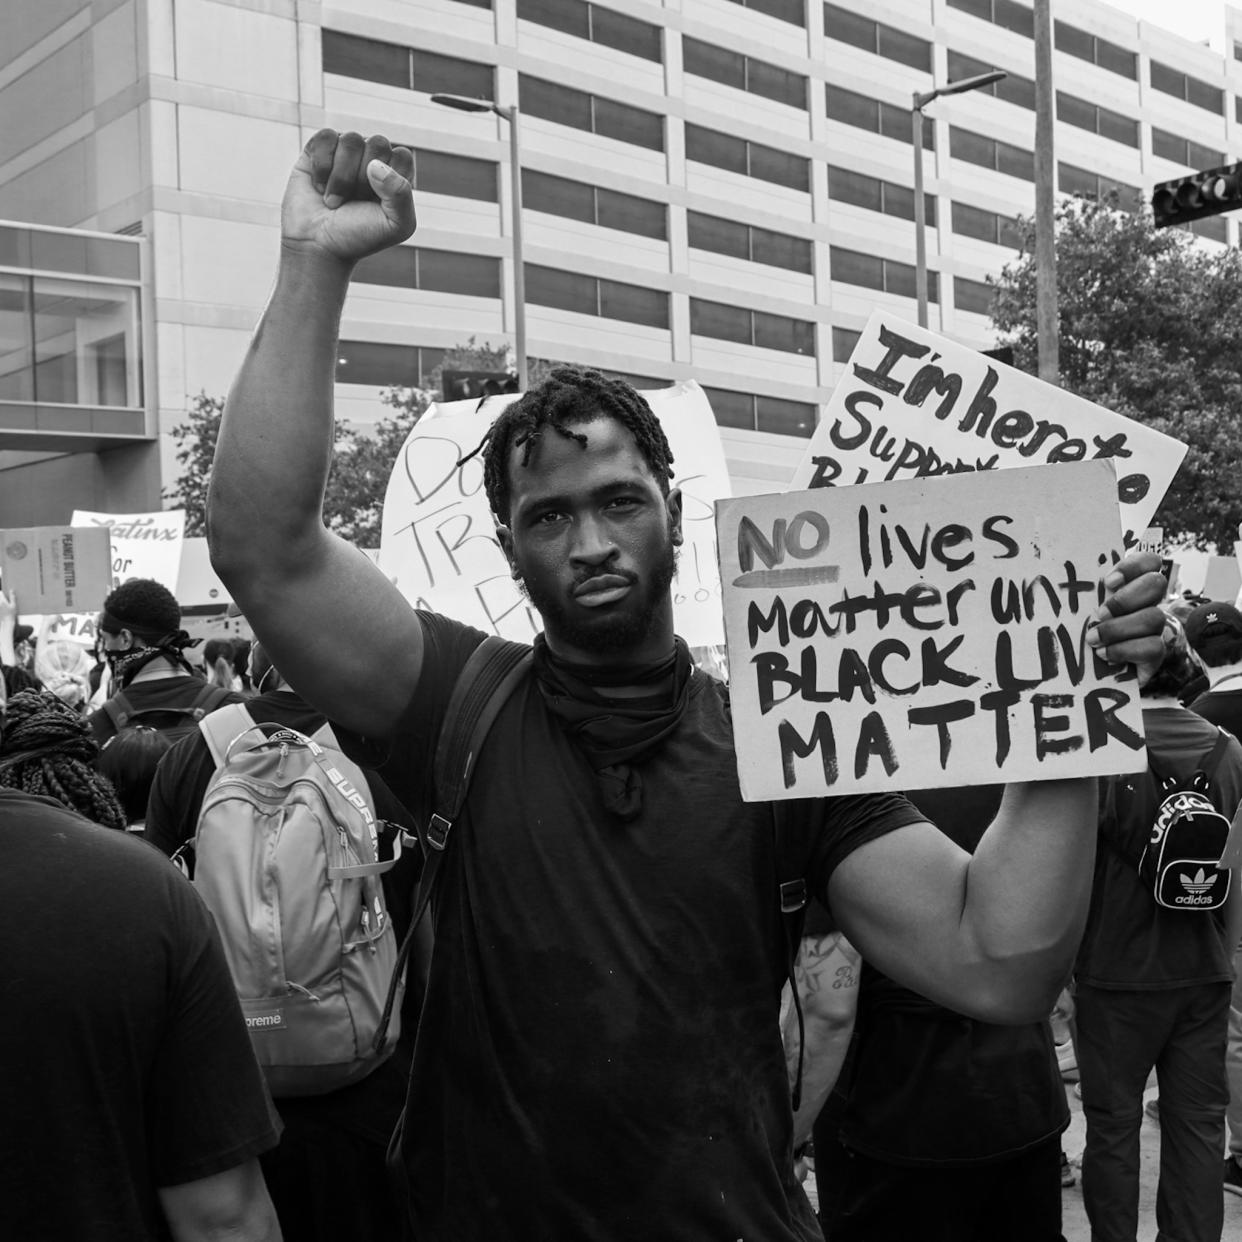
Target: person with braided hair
(48,750)
(152,680)
(599,1052)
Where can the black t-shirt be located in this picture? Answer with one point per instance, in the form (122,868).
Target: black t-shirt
(127,1062)
(151,694)
(1222,707)
(368,1108)
(600,1054)
(1130,943)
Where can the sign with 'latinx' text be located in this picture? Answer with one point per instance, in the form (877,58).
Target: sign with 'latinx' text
(438,542)
(913,404)
(55,568)
(922,634)
(144,545)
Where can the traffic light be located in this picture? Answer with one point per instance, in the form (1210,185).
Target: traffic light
(1198,195)
(470,385)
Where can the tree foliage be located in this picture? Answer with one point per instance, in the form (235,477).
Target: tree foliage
(1150,327)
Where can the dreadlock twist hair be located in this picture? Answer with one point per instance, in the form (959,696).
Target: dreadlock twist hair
(57,757)
(569,397)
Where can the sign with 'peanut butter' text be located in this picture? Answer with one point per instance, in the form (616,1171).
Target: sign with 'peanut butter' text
(438,542)
(923,634)
(913,404)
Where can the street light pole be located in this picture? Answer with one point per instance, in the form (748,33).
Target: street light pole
(509,113)
(921,100)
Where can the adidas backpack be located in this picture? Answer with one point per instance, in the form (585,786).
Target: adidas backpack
(1180,860)
(286,857)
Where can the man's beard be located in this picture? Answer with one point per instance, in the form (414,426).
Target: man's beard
(614,632)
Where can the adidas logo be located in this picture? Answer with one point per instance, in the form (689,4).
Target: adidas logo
(1199,883)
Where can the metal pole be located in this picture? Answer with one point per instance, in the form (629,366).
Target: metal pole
(920,212)
(519,269)
(1046,314)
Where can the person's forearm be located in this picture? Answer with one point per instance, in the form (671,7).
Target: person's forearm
(276,436)
(826,1046)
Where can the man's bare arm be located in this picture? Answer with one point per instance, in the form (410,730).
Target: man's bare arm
(338,630)
(232,1206)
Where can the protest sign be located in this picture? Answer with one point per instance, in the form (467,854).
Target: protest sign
(438,545)
(144,545)
(926,633)
(49,568)
(913,404)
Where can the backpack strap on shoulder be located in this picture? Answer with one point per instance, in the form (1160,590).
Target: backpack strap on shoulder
(208,699)
(118,709)
(1212,760)
(222,726)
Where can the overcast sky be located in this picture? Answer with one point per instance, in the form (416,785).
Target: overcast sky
(1192,19)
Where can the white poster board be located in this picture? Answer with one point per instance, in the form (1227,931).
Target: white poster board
(49,568)
(913,404)
(924,634)
(144,545)
(438,545)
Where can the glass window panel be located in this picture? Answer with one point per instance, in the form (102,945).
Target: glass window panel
(1168,146)
(854,268)
(790,11)
(368,59)
(775,83)
(118,260)
(899,278)
(1204,157)
(851,108)
(933,287)
(1237,109)
(976,8)
(1204,95)
(547,286)
(895,123)
(433,72)
(478,4)
(1016,90)
(972,295)
(709,146)
(448,271)
(1118,128)
(557,196)
(904,48)
(793,336)
(779,167)
(732,409)
(633,303)
(463,176)
(58,252)
(1116,59)
(396,266)
(721,322)
(973,222)
(717,235)
(1071,180)
(626,34)
(380,365)
(784,418)
(627,124)
(1128,196)
(1075,111)
(971,147)
(1214,228)
(570,16)
(16,340)
(780,250)
(847,186)
(719,64)
(848,27)
(15,247)
(1074,41)
(962,66)
(899,202)
(76,321)
(843,342)
(1016,17)
(1015,161)
(1010,235)
(554,102)
(632,214)
(1168,80)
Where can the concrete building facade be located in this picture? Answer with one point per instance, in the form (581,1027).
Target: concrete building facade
(713,189)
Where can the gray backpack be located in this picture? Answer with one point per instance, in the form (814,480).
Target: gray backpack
(287,858)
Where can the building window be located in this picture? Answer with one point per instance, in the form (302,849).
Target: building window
(972,295)
(1213,228)
(791,11)
(1071,180)
(433,271)
(596,23)
(1094,50)
(719,64)
(863,112)
(852,267)
(1183,151)
(986,226)
(844,341)
(459,176)
(409,68)
(991,153)
(589,295)
(745,241)
(847,186)
(478,4)
(1096,120)
(750,159)
(887,41)
(1003,13)
(610,209)
(753,412)
(382,366)
(593,113)
(1013,88)
(1182,86)
(751,327)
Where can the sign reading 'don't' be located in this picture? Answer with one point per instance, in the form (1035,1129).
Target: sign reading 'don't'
(913,404)
(923,634)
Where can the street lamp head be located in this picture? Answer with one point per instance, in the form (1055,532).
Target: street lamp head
(980,80)
(463,103)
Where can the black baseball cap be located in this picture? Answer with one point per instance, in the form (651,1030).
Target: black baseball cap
(1212,623)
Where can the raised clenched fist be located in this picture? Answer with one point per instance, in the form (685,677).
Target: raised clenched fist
(348,196)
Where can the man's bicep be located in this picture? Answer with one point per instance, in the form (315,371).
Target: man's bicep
(231,1204)
(339,631)
(826,975)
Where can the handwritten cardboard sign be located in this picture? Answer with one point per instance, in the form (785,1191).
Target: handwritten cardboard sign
(438,545)
(925,633)
(144,545)
(914,404)
(50,568)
